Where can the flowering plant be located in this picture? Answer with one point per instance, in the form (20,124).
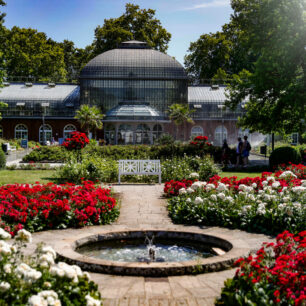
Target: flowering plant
(276,275)
(38,280)
(77,141)
(200,141)
(267,204)
(41,207)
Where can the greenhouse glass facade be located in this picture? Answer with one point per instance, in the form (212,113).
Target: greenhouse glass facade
(133,73)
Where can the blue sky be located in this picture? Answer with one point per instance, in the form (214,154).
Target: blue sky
(76,20)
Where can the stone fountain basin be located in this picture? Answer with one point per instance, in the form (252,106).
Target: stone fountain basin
(229,252)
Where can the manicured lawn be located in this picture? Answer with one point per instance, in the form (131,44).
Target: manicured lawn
(25,176)
(240,175)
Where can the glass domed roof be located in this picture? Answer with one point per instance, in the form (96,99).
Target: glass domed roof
(133,110)
(133,60)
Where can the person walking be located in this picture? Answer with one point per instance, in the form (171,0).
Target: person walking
(238,151)
(246,148)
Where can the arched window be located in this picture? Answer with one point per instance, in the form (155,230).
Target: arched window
(196,131)
(45,133)
(125,134)
(1,131)
(21,131)
(68,129)
(142,135)
(220,135)
(109,134)
(157,131)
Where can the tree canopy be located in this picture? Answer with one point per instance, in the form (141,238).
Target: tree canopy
(261,52)
(276,88)
(90,118)
(134,24)
(30,53)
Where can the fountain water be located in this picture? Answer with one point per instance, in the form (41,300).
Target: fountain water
(150,247)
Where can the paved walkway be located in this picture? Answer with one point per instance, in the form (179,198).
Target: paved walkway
(142,207)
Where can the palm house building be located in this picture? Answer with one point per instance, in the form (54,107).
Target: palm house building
(134,87)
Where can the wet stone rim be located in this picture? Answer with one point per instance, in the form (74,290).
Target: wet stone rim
(232,248)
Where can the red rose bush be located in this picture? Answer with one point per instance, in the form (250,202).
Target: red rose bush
(267,204)
(76,141)
(276,275)
(41,207)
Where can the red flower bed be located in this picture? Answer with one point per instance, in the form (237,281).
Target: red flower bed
(77,141)
(278,269)
(172,187)
(200,141)
(40,207)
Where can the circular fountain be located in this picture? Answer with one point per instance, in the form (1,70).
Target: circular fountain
(152,253)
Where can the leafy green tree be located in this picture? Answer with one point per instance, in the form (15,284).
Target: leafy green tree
(180,114)
(75,59)
(135,23)
(226,50)
(2,29)
(209,53)
(276,88)
(90,118)
(30,53)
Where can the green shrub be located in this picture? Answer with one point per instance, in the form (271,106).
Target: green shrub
(284,155)
(2,159)
(162,152)
(47,153)
(181,168)
(165,139)
(90,168)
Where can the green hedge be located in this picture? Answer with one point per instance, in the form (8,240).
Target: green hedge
(2,159)
(58,153)
(284,155)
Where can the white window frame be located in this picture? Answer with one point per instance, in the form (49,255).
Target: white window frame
(66,132)
(21,129)
(46,130)
(196,131)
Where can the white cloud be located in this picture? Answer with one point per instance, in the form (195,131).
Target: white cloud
(214,3)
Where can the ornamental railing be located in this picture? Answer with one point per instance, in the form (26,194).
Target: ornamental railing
(139,167)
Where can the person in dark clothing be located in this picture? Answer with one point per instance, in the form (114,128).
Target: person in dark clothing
(239,151)
(225,153)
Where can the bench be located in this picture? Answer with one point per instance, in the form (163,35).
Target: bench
(139,167)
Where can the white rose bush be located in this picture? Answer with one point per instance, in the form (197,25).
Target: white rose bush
(38,280)
(268,204)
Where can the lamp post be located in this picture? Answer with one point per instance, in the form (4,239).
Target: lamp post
(221,107)
(44,105)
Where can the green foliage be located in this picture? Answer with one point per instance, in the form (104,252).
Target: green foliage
(134,24)
(47,153)
(180,114)
(58,154)
(2,159)
(181,168)
(91,168)
(31,53)
(90,117)
(284,155)
(165,139)
(276,87)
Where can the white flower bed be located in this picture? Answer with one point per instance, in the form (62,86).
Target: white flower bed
(37,280)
